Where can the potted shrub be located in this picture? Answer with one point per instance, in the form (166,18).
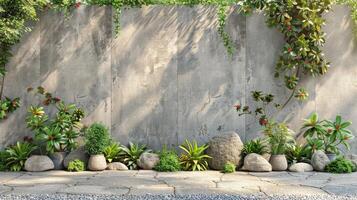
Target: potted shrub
(280,139)
(97,139)
(57,135)
(327,135)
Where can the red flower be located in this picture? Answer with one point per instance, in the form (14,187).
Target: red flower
(289,28)
(29,89)
(77,5)
(263,121)
(56,99)
(290,49)
(238,106)
(46,102)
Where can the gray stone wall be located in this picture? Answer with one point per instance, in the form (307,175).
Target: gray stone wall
(167,76)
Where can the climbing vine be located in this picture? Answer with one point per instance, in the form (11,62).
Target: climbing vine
(300,21)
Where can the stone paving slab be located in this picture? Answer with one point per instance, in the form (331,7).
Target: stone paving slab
(145,182)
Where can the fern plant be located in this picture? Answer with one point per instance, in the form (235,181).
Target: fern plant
(130,155)
(18,154)
(279,137)
(193,157)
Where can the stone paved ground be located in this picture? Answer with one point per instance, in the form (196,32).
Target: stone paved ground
(178,183)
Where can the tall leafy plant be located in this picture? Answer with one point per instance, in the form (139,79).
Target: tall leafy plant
(58,132)
(279,137)
(327,134)
(97,139)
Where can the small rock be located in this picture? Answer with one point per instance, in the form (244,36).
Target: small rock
(319,160)
(224,148)
(38,164)
(301,167)
(57,159)
(79,154)
(117,166)
(148,161)
(256,163)
(97,163)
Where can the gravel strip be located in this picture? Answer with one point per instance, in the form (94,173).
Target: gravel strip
(171,197)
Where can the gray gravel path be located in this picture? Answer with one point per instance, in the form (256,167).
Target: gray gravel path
(171,197)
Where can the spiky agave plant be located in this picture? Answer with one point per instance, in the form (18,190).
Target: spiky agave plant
(193,157)
(130,155)
(18,154)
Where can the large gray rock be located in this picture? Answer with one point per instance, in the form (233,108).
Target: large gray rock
(38,164)
(224,148)
(256,163)
(97,163)
(117,166)
(57,159)
(148,161)
(301,167)
(319,160)
(79,154)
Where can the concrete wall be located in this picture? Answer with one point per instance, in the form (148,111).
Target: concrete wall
(167,76)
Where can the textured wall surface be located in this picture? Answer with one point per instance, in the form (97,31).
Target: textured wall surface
(167,76)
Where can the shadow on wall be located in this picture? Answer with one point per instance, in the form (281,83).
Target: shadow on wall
(172,79)
(165,78)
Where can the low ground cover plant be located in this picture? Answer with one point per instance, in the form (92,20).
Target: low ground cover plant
(341,165)
(169,162)
(76,166)
(229,168)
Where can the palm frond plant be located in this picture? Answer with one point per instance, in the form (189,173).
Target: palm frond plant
(18,154)
(130,155)
(193,157)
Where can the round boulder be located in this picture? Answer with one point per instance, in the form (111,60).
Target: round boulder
(57,159)
(319,160)
(38,164)
(256,163)
(148,161)
(301,167)
(97,163)
(224,148)
(117,166)
(79,154)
